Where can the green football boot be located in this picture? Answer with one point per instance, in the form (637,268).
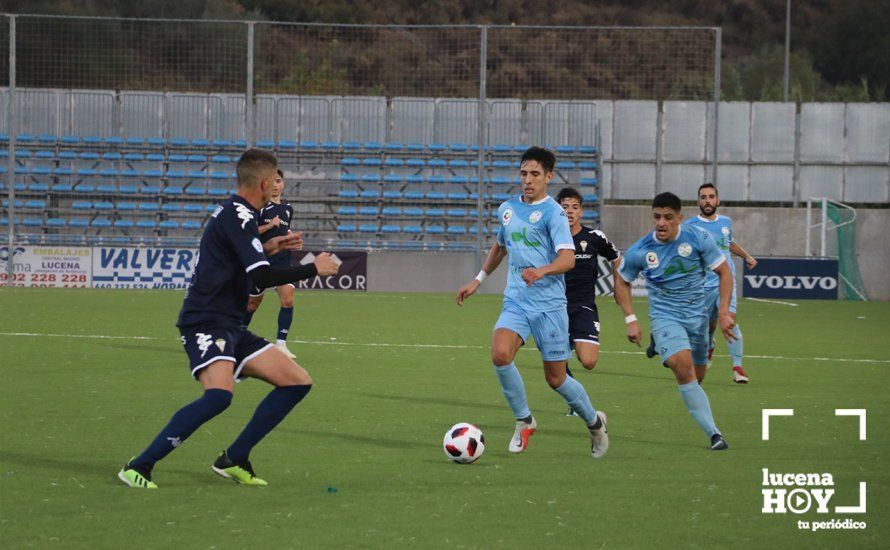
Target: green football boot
(136,476)
(239,473)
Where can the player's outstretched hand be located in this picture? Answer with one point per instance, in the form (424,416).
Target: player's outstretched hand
(291,241)
(634,334)
(326,264)
(751,261)
(276,221)
(530,275)
(727,323)
(466,291)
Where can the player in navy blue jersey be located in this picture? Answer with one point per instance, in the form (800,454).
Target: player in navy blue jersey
(220,349)
(590,244)
(275,221)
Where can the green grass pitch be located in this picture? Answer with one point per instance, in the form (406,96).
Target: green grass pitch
(360,463)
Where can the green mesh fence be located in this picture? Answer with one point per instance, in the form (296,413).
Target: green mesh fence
(851,287)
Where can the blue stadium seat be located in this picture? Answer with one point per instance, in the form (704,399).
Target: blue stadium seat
(458,163)
(156,142)
(128,189)
(586,182)
(435,212)
(503,164)
(173,190)
(111,155)
(456,213)
(412,229)
(63,172)
(44,155)
(352,145)
(85,188)
(393,162)
(370,178)
(436,195)
(287,144)
(308,145)
(369,194)
(155,157)
(501,148)
(191,224)
(17,203)
(474,231)
(393,146)
(587,150)
(413,212)
(591,215)
(373,146)
(151,190)
(521,148)
(175,174)
(459,147)
(590,199)
(114,141)
(179,142)
(389,228)
(346,228)
(78,222)
(416,146)
(565,165)
(414,195)
(148,207)
(350,161)
(415,163)
(222,143)
(38,187)
(100,223)
(147,224)
(414,179)
(171,207)
(346,211)
(25,154)
(46,139)
(218,192)
(129,173)
(211,207)
(391,194)
(195,190)
(500,180)
(67,155)
(501,196)
(126,206)
(437,163)
(32,222)
(169,224)
(437,179)
(193,208)
(391,211)
(371,161)
(85,172)
(586,165)
(225,159)
(56,222)
(368,211)
(135,141)
(63,188)
(348,178)
(565,149)
(348,194)
(124,224)
(367,228)
(197,158)
(457,230)
(106,189)
(457,196)
(436,147)
(196,174)
(458,180)
(435,229)
(393,178)
(103,205)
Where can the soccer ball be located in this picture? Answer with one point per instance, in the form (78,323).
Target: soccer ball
(464,443)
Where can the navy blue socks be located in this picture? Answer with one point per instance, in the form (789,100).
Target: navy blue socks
(285,318)
(270,412)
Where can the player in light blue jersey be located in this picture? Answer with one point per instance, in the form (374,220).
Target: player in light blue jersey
(534,235)
(673,259)
(720,227)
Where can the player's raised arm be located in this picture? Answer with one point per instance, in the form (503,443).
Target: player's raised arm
(737,249)
(495,256)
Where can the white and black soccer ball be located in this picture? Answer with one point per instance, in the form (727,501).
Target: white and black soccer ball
(464,443)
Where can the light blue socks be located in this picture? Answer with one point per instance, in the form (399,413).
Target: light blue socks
(514,389)
(576,396)
(735,347)
(696,400)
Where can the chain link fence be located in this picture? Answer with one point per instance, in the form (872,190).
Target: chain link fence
(125,131)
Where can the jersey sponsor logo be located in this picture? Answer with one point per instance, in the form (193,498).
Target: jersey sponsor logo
(685,249)
(725,231)
(245,214)
(535,216)
(257,245)
(679,266)
(651,260)
(520,237)
(203,341)
(506,217)
(583,246)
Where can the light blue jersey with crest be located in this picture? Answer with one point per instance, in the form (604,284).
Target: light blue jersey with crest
(674,271)
(721,229)
(533,234)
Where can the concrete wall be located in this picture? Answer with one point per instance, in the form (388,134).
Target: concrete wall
(761,231)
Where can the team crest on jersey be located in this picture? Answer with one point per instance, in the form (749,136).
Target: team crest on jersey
(725,231)
(535,216)
(221,344)
(257,245)
(651,260)
(506,217)
(583,246)
(685,249)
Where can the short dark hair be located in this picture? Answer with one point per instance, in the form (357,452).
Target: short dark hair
(705,185)
(251,165)
(667,200)
(545,157)
(569,193)
(280,173)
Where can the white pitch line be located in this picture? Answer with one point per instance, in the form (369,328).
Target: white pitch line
(429,346)
(765,301)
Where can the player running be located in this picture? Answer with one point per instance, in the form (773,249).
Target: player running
(584,321)
(534,234)
(219,347)
(673,259)
(720,227)
(275,221)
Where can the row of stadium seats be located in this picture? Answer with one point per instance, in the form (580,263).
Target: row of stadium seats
(105,223)
(440,179)
(194,189)
(416,212)
(371,146)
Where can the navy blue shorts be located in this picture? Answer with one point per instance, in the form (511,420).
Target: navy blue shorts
(273,262)
(584,324)
(205,344)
